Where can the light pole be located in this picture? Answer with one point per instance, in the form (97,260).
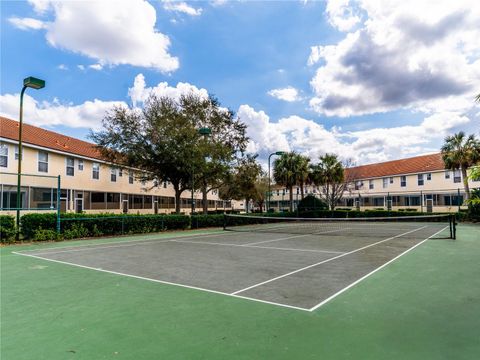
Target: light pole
(205,132)
(34,83)
(279,153)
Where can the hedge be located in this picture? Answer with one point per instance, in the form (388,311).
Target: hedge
(88,225)
(204,221)
(7,228)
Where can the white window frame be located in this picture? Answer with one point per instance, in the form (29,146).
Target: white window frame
(403,181)
(447,174)
(69,166)
(80,164)
(385,182)
(131,179)
(96,166)
(457,174)
(41,161)
(371,184)
(16,152)
(421,179)
(4,154)
(391,180)
(429,176)
(113,174)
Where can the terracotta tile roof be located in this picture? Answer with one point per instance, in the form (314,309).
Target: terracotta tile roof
(413,165)
(48,139)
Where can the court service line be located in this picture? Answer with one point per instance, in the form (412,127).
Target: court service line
(114,244)
(292,237)
(254,246)
(162,282)
(324,261)
(374,271)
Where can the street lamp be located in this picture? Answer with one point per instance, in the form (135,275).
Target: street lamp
(205,132)
(279,153)
(34,83)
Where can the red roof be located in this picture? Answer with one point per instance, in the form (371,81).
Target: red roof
(413,165)
(49,139)
(52,140)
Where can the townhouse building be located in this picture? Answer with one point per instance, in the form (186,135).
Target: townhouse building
(88,182)
(419,183)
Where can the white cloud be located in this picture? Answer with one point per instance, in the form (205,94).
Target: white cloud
(341,15)
(366,146)
(289,94)
(86,115)
(404,55)
(27,23)
(181,7)
(96,66)
(111,32)
(140,92)
(62,67)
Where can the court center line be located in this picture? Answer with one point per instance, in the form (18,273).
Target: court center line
(324,261)
(258,247)
(162,282)
(374,271)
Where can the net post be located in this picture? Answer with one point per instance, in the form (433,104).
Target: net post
(454,226)
(58,205)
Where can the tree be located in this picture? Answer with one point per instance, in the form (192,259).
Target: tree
(162,140)
(331,177)
(460,152)
(261,190)
(303,173)
(242,183)
(286,172)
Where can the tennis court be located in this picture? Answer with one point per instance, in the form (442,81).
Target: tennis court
(296,263)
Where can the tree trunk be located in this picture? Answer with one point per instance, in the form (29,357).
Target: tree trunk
(290,190)
(465,183)
(204,199)
(178,193)
(302,189)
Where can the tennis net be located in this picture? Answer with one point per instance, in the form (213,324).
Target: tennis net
(433,226)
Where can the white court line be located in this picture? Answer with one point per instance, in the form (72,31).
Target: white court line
(114,244)
(372,272)
(254,246)
(292,237)
(323,262)
(163,282)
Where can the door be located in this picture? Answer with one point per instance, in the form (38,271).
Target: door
(429,205)
(78,205)
(125,206)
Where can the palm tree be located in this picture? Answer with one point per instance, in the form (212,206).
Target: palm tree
(328,174)
(285,172)
(477,98)
(303,172)
(459,153)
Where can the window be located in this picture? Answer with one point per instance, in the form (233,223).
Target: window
(113,174)
(447,174)
(370,184)
(298,191)
(429,176)
(80,165)
(120,172)
(391,180)
(70,166)
(403,181)
(3,155)
(420,180)
(385,182)
(358,184)
(130,177)
(16,152)
(95,171)
(457,176)
(43,161)
(164,184)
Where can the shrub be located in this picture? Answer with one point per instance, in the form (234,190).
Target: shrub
(7,228)
(203,221)
(310,202)
(45,235)
(85,225)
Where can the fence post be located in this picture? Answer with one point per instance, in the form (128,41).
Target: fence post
(58,205)
(458,198)
(421,201)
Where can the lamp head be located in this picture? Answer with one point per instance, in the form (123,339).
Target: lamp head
(33,83)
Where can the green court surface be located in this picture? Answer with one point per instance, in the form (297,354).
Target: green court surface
(423,305)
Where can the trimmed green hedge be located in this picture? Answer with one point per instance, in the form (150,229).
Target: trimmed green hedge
(204,221)
(89,225)
(7,228)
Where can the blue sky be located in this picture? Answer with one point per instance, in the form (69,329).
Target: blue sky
(367,81)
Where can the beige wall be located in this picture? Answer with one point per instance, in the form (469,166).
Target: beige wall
(83,179)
